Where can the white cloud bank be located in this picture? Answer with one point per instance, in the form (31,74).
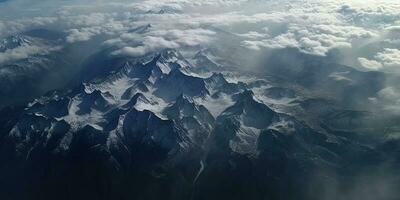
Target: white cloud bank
(25,51)
(138,45)
(388,59)
(314,27)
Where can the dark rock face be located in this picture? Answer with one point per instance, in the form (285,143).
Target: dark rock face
(176,83)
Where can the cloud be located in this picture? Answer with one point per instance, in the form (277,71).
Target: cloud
(80,35)
(389,93)
(315,27)
(10,27)
(91,19)
(315,39)
(150,43)
(370,64)
(253,35)
(387,60)
(389,99)
(137,45)
(181,4)
(24,52)
(389,57)
(188,37)
(19,53)
(371,13)
(340,76)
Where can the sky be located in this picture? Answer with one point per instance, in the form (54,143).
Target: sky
(365,32)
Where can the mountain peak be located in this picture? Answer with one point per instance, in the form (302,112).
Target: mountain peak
(176,83)
(13,42)
(170,53)
(183,99)
(245,96)
(134,100)
(217,79)
(167,55)
(252,113)
(145,128)
(94,100)
(166,61)
(218,76)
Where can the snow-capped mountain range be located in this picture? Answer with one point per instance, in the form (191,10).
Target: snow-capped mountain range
(166,125)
